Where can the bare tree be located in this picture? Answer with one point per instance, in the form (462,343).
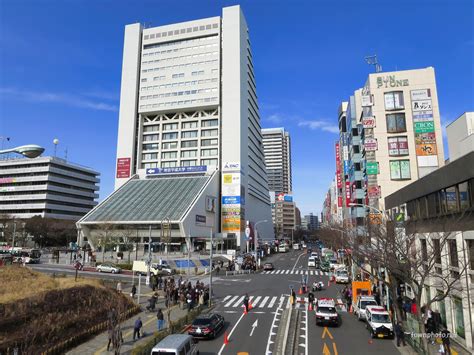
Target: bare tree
(106,232)
(129,239)
(408,256)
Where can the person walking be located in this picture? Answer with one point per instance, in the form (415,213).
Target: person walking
(445,335)
(136,328)
(160,319)
(246,302)
(119,287)
(399,334)
(134,291)
(110,336)
(293,297)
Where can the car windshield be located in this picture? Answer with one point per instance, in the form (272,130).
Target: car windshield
(342,273)
(201,321)
(364,304)
(380,318)
(326,310)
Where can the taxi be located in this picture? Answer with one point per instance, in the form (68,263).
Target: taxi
(326,313)
(379,323)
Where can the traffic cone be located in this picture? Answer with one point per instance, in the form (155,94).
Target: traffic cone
(245,310)
(350,309)
(310,307)
(250,306)
(226,339)
(300,292)
(329,283)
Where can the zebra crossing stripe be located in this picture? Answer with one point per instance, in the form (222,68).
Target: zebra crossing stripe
(238,302)
(264,301)
(272,302)
(226,298)
(278,271)
(255,303)
(272,272)
(287,271)
(231,301)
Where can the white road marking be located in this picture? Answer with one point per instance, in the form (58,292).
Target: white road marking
(264,301)
(287,271)
(230,334)
(272,302)
(270,333)
(226,298)
(239,301)
(254,303)
(231,301)
(296,262)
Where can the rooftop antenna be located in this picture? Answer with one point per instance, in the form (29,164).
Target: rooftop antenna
(372,60)
(55,142)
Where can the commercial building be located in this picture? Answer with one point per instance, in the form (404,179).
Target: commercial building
(284,215)
(310,222)
(460,134)
(189,131)
(47,187)
(390,136)
(277,151)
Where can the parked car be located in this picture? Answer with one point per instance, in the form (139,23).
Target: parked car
(342,276)
(176,344)
(268,267)
(379,323)
(361,304)
(206,326)
(108,268)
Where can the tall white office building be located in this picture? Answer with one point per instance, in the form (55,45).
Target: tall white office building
(188,107)
(277,150)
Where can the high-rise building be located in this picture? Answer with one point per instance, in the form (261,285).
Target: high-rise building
(390,136)
(310,222)
(277,150)
(188,108)
(48,187)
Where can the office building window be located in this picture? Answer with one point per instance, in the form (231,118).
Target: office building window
(151,137)
(209,133)
(150,146)
(437,251)
(208,142)
(464,202)
(188,162)
(154,128)
(424,250)
(189,154)
(394,100)
(169,155)
(169,164)
(208,152)
(169,145)
(149,165)
(187,125)
(400,170)
(453,253)
(459,317)
(396,123)
(170,126)
(210,123)
(397,146)
(168,136)
(189,144)
(150,156)
(189,134)
(451,199)
(209,162)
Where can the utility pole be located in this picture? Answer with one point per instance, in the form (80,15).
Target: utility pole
(14,234)
(149,257)
(210,273)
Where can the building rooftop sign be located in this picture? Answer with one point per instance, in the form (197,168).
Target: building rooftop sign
(176,170)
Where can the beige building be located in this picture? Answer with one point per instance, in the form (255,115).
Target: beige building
(461,135)
(400,130)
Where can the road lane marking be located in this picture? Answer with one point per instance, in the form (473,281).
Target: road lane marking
(239,301)
(296,262)
(287,271)
(254,325)
(326,350)
(326,331)
(226,298)
(272,302)
(270,333)
(278,271)
(306,332)
(231,301)
(334,348)
(264,302)
(254,303)
(230,334)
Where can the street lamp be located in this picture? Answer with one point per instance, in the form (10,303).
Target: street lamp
(255,242)
(29,151)
(210,268)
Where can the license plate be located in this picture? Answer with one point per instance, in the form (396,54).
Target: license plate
(326,318)
(380,335)
(198,330)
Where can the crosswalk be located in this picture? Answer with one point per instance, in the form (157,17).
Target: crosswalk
(296,272)
(268,302)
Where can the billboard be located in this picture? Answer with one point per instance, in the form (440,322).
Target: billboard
(424,127)
(338,166)
(232,199)
(370,144)
(372,168)
(123,168)
(178,169)
(368,122)
(373,191)
(426,149)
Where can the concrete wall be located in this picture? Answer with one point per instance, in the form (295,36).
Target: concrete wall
(461,136)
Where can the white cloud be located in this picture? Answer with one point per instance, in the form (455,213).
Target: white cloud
(66,99)
(275,118)
(319,124)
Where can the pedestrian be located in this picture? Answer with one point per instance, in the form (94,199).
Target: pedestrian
(134,291)
(136,328)
(400,334)
(119,287)
(160,319)
(445,335)
(110,335)
(246,302)
(293,297)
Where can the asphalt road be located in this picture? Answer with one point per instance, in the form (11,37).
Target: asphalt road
(254,333)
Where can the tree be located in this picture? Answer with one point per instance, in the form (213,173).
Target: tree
(50,231)
(129,239)
(105,233)
(408,256)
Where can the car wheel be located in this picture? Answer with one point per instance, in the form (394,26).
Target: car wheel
(99,270)
(372,334)
(113,271)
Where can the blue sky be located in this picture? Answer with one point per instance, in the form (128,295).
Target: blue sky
(60,69)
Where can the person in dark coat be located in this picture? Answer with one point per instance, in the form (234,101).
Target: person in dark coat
(399,334)
(246,302)
(134,290)
(445,335)
(137,327)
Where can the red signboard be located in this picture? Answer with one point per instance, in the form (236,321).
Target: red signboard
(123,168)
(339,201)
(348,193)
(338,166)
(373,191)
(368,122)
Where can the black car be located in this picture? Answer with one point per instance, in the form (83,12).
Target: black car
(207,326)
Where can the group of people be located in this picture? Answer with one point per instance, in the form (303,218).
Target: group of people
(185,293)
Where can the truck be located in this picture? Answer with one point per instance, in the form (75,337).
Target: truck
(140,267)
(360,288)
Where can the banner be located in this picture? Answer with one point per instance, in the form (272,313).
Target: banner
(372,168)
(370,144)
(123,168)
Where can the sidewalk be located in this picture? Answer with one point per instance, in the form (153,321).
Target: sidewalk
(98,344)
(455,348)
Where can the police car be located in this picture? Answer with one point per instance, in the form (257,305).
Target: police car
(326,312)
(379,323)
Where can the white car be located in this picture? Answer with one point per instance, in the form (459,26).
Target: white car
(312,261)
(342,276)
(108,268)
(361,304)
(379,323)
(326,313)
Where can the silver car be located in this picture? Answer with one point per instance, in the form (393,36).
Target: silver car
(108,268)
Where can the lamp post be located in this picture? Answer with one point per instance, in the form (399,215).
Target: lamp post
(255,242)
(210,269)
(29,151)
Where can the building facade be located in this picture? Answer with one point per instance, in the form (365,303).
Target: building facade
(277,151)
(310,222)
(188,105)
(48,187)
(460,135)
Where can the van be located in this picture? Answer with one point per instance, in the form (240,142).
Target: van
(176,344)
(379,323)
